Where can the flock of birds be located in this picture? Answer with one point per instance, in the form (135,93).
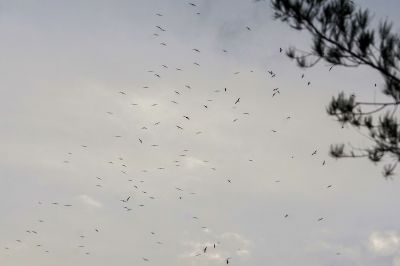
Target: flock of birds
(126,200)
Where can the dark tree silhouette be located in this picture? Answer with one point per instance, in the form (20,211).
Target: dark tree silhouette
(342,35)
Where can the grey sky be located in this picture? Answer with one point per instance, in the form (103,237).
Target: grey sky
(63,66)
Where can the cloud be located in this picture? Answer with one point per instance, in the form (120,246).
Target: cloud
(385,243)
(192,162)
(90,201)
(227,244)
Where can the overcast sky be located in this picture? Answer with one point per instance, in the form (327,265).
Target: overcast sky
(227,176)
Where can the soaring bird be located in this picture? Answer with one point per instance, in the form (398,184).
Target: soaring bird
(160,28)
(277,91)
(196,50)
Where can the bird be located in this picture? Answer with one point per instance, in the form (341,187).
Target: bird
(280,50)
(227,260)
(248,28)
(229,181)
(286,215)
(205,250)
(196,50)
(126,200)
(141,141)
(158,14)
(122,92)
(179,127)
(314,152)
(186,117)
(329,186)
(192,4)
(160,28)
(276,93)
(237,100)
(320,219)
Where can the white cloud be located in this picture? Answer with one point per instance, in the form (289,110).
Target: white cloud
(396,261)
(192,162)
(90,201)
(384,243)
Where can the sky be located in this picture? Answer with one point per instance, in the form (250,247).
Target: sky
(90,117)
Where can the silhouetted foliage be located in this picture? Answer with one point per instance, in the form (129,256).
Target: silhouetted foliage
(343,36)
